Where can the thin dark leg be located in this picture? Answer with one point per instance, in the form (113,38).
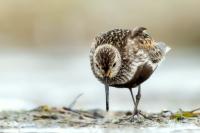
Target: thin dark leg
(138,97)
(107,97)
(130,89)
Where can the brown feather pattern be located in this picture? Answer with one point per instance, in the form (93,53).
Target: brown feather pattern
(139,56)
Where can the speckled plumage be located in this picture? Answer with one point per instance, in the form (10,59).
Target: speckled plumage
(140,55)
(125,58)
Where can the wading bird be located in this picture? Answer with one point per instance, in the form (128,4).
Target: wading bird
(124,58)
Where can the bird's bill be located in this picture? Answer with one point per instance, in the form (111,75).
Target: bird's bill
(107,94)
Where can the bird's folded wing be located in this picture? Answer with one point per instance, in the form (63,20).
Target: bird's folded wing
(155,50)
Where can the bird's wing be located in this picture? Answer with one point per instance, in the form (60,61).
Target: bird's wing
(115,37)
(142,40)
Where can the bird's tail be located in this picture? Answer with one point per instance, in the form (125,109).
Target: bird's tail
(163,47)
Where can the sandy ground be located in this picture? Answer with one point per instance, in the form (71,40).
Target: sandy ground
(45,118)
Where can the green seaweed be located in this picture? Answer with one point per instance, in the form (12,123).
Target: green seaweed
(180,115)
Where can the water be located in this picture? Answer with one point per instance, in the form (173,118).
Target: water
(171,129)
(30,79)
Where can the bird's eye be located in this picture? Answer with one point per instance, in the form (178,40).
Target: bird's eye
(114,64)
(97,66)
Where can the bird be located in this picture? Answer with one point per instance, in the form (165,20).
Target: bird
(125,58)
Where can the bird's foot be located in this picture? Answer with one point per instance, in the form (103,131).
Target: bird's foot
(137,116)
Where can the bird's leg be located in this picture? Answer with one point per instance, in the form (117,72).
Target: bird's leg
(107,97)
(136,111)
(138,97)
(130,89)
(133,98)
(136,103)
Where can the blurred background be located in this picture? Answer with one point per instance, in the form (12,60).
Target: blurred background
(44,52)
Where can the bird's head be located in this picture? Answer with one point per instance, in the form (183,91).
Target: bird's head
(107,61)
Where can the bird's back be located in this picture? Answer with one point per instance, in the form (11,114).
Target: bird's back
(116,37)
